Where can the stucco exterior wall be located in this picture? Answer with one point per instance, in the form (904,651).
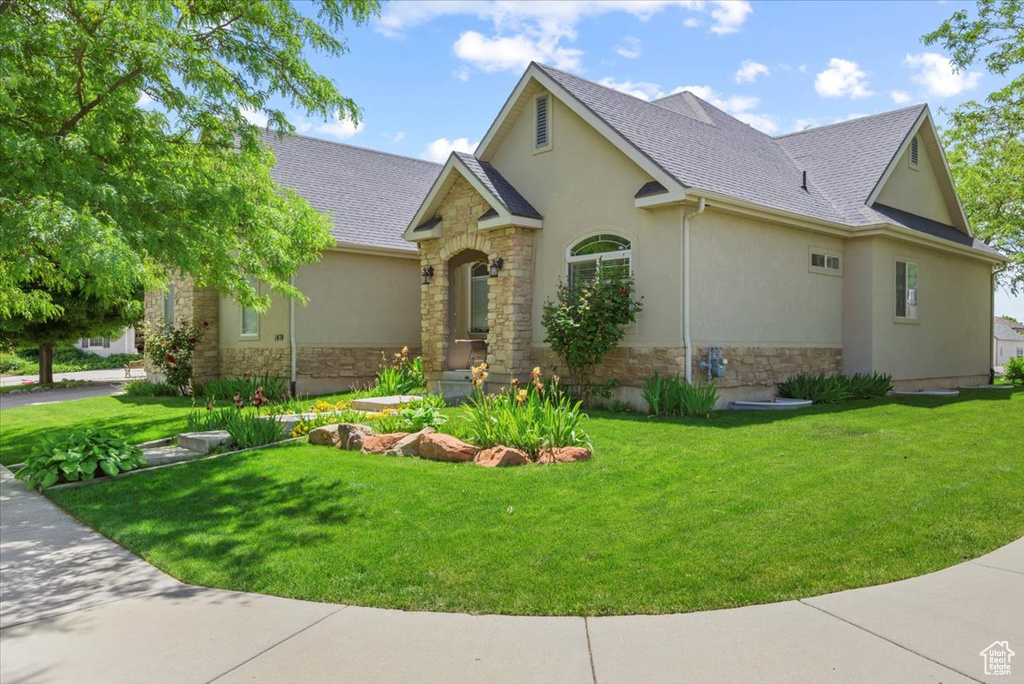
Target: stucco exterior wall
(951,337)
(917,190)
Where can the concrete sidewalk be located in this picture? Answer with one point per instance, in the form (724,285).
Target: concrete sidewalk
(105,375)
(76,607)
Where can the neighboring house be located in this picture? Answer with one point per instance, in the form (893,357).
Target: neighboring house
(105,346)
(1006,342)
(838,249)
(363,294)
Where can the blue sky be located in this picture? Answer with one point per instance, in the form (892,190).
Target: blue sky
(431,76)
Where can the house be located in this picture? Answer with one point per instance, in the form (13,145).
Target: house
(842,248)
(105,346)
(1006,342)
(363,294)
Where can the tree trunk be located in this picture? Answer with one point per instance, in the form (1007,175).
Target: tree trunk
(46,362)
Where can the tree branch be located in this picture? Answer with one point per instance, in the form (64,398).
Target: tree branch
(85,109)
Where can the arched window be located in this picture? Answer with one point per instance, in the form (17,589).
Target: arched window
(605,251)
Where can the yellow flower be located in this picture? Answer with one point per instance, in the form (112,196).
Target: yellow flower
(521,396)
(536,372)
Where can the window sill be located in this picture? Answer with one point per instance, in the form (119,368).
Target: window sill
(905,321)
(542,150)
(253,337)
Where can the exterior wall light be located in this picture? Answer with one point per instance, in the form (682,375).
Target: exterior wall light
(428,273)
(496,266)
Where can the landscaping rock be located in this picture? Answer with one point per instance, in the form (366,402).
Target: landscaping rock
(564,455)
(439,447)
(379,444)
(327,435)
(501,456)
(410,445)
(352,435)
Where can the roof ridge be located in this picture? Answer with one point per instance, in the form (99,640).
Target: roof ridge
(348,145)
(850,121)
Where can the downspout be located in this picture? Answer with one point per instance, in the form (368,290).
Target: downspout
(684,265)
(291,339)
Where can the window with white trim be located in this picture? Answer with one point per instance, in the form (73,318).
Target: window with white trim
(169,306)
(542,123)
(479,275)
(604,251)
(914,152)
(906,290)
(1020,352)
(825,261)
(250,316)
(99,342)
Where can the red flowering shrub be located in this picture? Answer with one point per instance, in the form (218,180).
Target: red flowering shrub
(176,367)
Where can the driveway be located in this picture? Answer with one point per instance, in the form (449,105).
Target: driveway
(106,375)
(75,607)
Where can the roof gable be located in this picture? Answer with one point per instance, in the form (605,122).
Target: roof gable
(370,196)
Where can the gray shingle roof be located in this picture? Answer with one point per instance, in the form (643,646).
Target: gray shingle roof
(502,190)
(1003,330)
(847,159)
(370,195)
(929,227)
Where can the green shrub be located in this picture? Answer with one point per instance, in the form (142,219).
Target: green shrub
(523,418)
(148,388)
(1013,370)
(79,455)
(66,359)
(11,364)
(833,389)
(249,430)
(207,419)
(423,413)
(170,351)
(401,374)
(274,389)
(674,396)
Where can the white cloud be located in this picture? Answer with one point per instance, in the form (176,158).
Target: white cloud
(812,122)
(630,48)
(936,74)
(527,30)
(842,78)
(462,73)
(144,99)
(255,117)
(338,127)
(749,71)
(514,53)
(900,96)
(802,68)
(439,150)
(396,138)
(739,106)
(691,22)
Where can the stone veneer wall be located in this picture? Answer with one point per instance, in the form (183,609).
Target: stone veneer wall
(747,366)
(355,365)
(510,295)
(191,305)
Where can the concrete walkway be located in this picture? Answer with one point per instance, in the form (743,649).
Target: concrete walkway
(75,607)
(104,375)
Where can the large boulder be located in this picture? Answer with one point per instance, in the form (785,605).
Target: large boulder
(501,456)
(569,454)
(410,444)
(379,444)
(352,435)
(326,435)
(440,447)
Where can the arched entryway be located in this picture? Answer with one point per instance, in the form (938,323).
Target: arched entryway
(468,309)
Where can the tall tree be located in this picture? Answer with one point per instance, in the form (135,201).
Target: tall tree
(985,140)
(101,190)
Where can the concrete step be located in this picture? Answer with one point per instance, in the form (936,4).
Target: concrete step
(169,454)
(204,442)
(376,404)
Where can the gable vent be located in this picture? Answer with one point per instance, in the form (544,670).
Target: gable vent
(914,151)
(542,138)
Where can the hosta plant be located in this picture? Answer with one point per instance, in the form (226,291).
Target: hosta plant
(79,455)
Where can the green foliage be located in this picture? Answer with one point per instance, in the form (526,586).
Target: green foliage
(833,389)
(523,418)
(125,151)
(66,359)
(170,350)
(249,430)
(1013,370)
(587,320)
(79,455)
(674,396)
(423,413)
(400,374)
(148,388)
(207,419)
(274,389)
(985,140)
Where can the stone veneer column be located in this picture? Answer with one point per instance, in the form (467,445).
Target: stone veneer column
(510,303)
(191,305)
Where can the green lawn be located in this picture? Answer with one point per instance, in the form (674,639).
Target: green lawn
(669,515)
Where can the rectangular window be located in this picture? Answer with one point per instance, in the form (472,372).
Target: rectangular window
(906,290)
(97,342)
(169,306)
(829,263)
(542,118)
(250,316)
(1020,352)
(85,343)
(478,289)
